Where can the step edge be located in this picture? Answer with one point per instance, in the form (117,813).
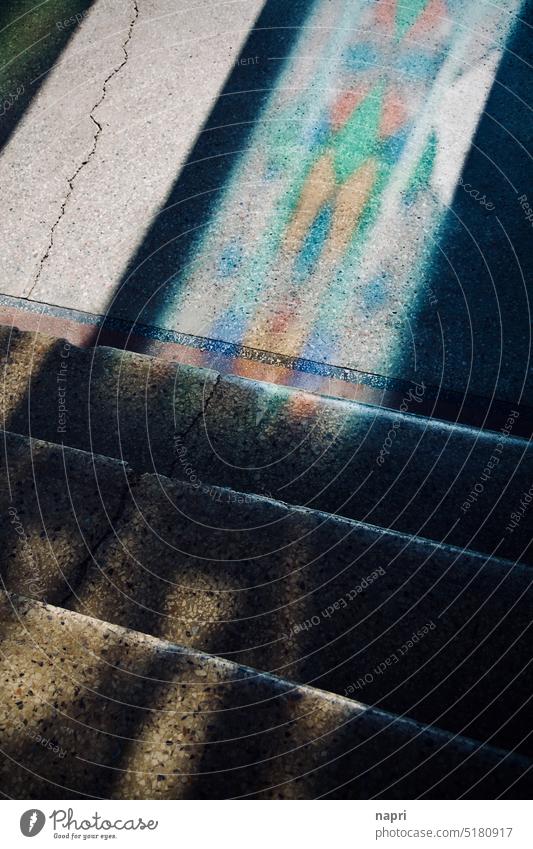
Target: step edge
(417,540)
(286,685)
(262,387)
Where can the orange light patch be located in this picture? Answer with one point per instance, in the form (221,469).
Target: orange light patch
(393,116)
(303,405)
(351,199)
(316,192)
(281,321)
(345,105)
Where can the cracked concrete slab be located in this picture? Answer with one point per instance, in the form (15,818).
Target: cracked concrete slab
(98,128)
(120,184)
(152,62)
(53,138)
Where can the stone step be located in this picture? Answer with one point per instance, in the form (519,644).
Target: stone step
(417,475)
(417,628)
(92,710)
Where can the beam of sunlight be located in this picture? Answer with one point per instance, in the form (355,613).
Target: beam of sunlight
(317,242)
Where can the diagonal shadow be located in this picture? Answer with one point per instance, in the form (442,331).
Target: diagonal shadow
(471,322)
(32,37)
(193,198)
(203,175)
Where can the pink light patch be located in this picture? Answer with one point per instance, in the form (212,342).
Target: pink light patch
(430,20)
(345,104)
(385,15)
(394,114)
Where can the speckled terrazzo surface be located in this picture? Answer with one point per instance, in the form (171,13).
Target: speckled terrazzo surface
(116,521)
(308,596)
(91,709)
(390,469)
(219,587)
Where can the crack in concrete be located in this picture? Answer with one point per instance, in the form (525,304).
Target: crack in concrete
(79,572)
(194,422)
(99,128)
(133,480)
(204,408)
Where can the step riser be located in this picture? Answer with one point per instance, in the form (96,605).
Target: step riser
(394,471)
(400,471)
(197,727)
(313,598)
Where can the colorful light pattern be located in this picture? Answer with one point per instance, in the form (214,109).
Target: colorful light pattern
(320,240)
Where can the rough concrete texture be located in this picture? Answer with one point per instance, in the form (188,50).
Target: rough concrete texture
(56,506)
(119,94)
(416,628)
(196,726)
(122,406)
(446,482)
(449,483)
(326,239)
(273,186)
(54,139)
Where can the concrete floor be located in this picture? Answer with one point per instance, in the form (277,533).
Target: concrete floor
(319,180)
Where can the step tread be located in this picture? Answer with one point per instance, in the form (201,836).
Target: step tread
(18,344)
(198,726)
(228,494)
(390,469)
(306,595)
